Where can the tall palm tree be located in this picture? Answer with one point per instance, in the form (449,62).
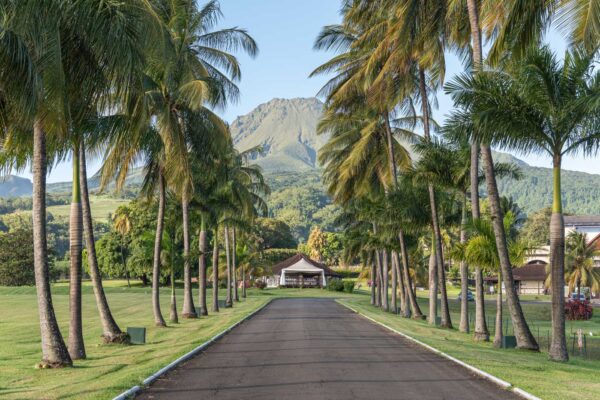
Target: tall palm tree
(44,55)
(552,110)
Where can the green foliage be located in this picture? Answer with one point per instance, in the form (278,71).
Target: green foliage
(536,229)
(348,286)
(335,285)
(16,257)
(270,257)
(274,234)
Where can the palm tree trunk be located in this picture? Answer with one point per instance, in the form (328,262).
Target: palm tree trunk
(378,301)
(386,280)
(498,327)
(54,350)
(229,298)
(76,345)
(412,298)
(173,318)
(464,272)
(215,267)
(394,303)
(439,256)
(111,333)
(481,330)
(525,339)
(236,296)
(189,311)
(202,268)
(433,286)
(124,261)
(404,307)
(373,286)
(158,318)
(558,346)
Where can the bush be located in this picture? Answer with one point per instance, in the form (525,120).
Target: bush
(223,284)
(16,257)
(335,285)
(576,310)
(260,284)
(349,286)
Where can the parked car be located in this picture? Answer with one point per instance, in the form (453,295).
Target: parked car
(580,297)
(470,296)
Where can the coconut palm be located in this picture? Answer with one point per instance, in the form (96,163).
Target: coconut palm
(519,24)
(44,55)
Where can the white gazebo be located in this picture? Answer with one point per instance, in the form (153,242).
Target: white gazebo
(300,271)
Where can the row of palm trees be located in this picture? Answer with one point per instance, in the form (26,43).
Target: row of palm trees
(389,64)
(136,82)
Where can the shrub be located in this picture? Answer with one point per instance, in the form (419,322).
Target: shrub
(335,285)
(260,284)
(349,286)
(578,310)
(16,257)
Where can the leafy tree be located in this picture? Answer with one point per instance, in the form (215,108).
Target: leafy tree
(536,229)
(274,234)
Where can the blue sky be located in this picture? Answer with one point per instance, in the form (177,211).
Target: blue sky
(285,31)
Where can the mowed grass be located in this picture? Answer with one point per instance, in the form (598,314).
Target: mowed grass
(531,371)
(102,207)
(109,369)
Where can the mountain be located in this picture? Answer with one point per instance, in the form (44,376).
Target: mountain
(286,130)
(15,186)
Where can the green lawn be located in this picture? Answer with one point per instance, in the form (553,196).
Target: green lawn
(533,372)
(101,207)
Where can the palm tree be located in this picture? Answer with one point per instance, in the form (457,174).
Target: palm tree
(40,59)
(481,249)
(541,106)
(580,269)
(122,224)
(519,25)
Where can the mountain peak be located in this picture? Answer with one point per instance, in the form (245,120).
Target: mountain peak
(286,129)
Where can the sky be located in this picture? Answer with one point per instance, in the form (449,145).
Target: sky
(285,31)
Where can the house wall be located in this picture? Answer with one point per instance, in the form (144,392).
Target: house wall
(531,287)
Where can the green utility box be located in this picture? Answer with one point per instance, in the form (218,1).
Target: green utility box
(438,321)
(509,342)
(137,335)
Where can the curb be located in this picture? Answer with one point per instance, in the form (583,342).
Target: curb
(130,393)
(490,377)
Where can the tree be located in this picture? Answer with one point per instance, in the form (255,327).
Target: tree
(122,225)
(536,229)
(481,250)
(580,269)
(274,234)
(542,106)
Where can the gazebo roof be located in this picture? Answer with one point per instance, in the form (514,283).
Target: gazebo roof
(297,259)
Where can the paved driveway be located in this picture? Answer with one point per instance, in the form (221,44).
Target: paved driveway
(317,349)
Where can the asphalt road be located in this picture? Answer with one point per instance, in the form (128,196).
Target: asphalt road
(317,349)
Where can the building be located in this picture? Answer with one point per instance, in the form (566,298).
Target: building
(588,224)
(300,271)
(528,279)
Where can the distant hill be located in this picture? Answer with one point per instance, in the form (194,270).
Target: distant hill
(15,186)
(286,129)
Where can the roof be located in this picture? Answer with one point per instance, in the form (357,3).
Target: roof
(534,271)
(293,260)
(582,220)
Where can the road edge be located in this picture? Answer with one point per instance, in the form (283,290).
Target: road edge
(494,379)
(129,393)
